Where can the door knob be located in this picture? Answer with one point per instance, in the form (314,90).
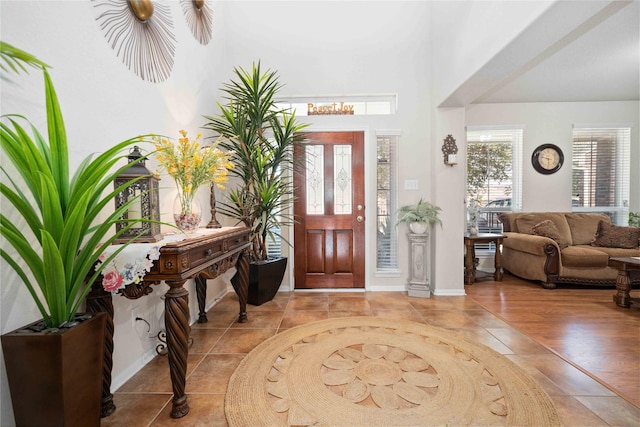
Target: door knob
(359,207)
(359,218)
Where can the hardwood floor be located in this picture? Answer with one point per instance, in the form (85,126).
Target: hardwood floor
(581,347)
(583,325)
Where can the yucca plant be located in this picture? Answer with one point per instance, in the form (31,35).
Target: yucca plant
(261,137)
(63,238)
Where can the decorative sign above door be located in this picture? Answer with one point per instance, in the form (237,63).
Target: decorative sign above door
(335,108)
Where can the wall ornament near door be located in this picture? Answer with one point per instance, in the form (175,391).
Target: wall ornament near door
(449,150)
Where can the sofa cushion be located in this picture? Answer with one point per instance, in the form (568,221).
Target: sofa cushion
(526,222)
(613,236)
(548,229)
(584,226)
(584,256)
(616,252)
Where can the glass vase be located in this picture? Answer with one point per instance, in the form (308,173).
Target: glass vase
(187,213)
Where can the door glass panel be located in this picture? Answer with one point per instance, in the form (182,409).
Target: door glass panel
(315,179)
(342,179)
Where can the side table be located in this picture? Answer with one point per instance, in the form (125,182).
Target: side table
(622,297)
(469,261)
(207,252)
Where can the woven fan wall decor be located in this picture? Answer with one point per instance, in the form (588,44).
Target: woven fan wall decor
(199,18)
(140,32)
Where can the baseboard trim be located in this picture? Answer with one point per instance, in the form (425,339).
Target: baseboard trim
(449,292)
(146,357)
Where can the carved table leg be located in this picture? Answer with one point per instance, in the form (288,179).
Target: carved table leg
(176,319)
(99,300)
(469,274)
(498,261)
(242,288)
(201,293)
(623,286)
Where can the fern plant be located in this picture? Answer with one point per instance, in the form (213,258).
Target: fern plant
(423,211)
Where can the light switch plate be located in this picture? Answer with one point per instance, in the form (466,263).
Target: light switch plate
(410,184)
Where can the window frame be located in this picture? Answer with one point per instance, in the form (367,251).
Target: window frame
(392,268)
(621,134)
(515,133)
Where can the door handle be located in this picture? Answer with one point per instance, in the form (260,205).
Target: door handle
(359,218)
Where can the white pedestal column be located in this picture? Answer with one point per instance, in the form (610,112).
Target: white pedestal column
(419,251)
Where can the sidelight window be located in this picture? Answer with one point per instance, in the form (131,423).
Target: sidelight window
(387,206)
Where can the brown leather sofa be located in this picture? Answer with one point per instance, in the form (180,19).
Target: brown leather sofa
(565,247)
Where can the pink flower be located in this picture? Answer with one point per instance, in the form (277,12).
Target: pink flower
(102,255)
(112,281)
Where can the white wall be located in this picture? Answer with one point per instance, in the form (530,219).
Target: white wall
(103,103)
(449,185)
(468,34)
(414,49)
(347,48)
(378,47)
(464,37)
(552,123)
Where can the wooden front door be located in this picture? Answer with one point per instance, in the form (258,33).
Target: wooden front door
(329,210)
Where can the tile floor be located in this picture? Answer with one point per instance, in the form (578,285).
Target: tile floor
(220,345)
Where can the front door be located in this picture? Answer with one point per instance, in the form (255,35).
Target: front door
(329,210)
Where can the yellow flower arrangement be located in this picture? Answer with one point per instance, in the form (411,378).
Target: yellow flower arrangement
(191,165)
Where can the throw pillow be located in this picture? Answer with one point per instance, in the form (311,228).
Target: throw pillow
(613,236)
(548,229)
(584,226)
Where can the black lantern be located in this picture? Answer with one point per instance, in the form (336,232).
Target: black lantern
(146,206)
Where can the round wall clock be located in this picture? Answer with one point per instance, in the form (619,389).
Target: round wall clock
(547,159)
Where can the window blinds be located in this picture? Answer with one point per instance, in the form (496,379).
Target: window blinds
(600,175)
(494,175)
(386,206)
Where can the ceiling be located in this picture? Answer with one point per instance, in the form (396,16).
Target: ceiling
(567,55)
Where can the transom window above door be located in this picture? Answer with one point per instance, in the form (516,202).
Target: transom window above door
(341,105)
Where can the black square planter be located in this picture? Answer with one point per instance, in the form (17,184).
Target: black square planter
(265,278)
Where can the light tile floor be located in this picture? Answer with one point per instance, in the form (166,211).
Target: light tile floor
(220,345)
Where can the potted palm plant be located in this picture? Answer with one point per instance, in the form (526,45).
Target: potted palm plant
(419,216)
(261,137)
(54,366)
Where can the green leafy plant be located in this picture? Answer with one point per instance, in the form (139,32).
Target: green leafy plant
(487,162)
(634,219)
(65,234)
(261,137)
(423,211)
(14,59)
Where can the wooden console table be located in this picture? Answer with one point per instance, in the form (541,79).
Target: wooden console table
(203,256)
(470,257)
(623,281)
